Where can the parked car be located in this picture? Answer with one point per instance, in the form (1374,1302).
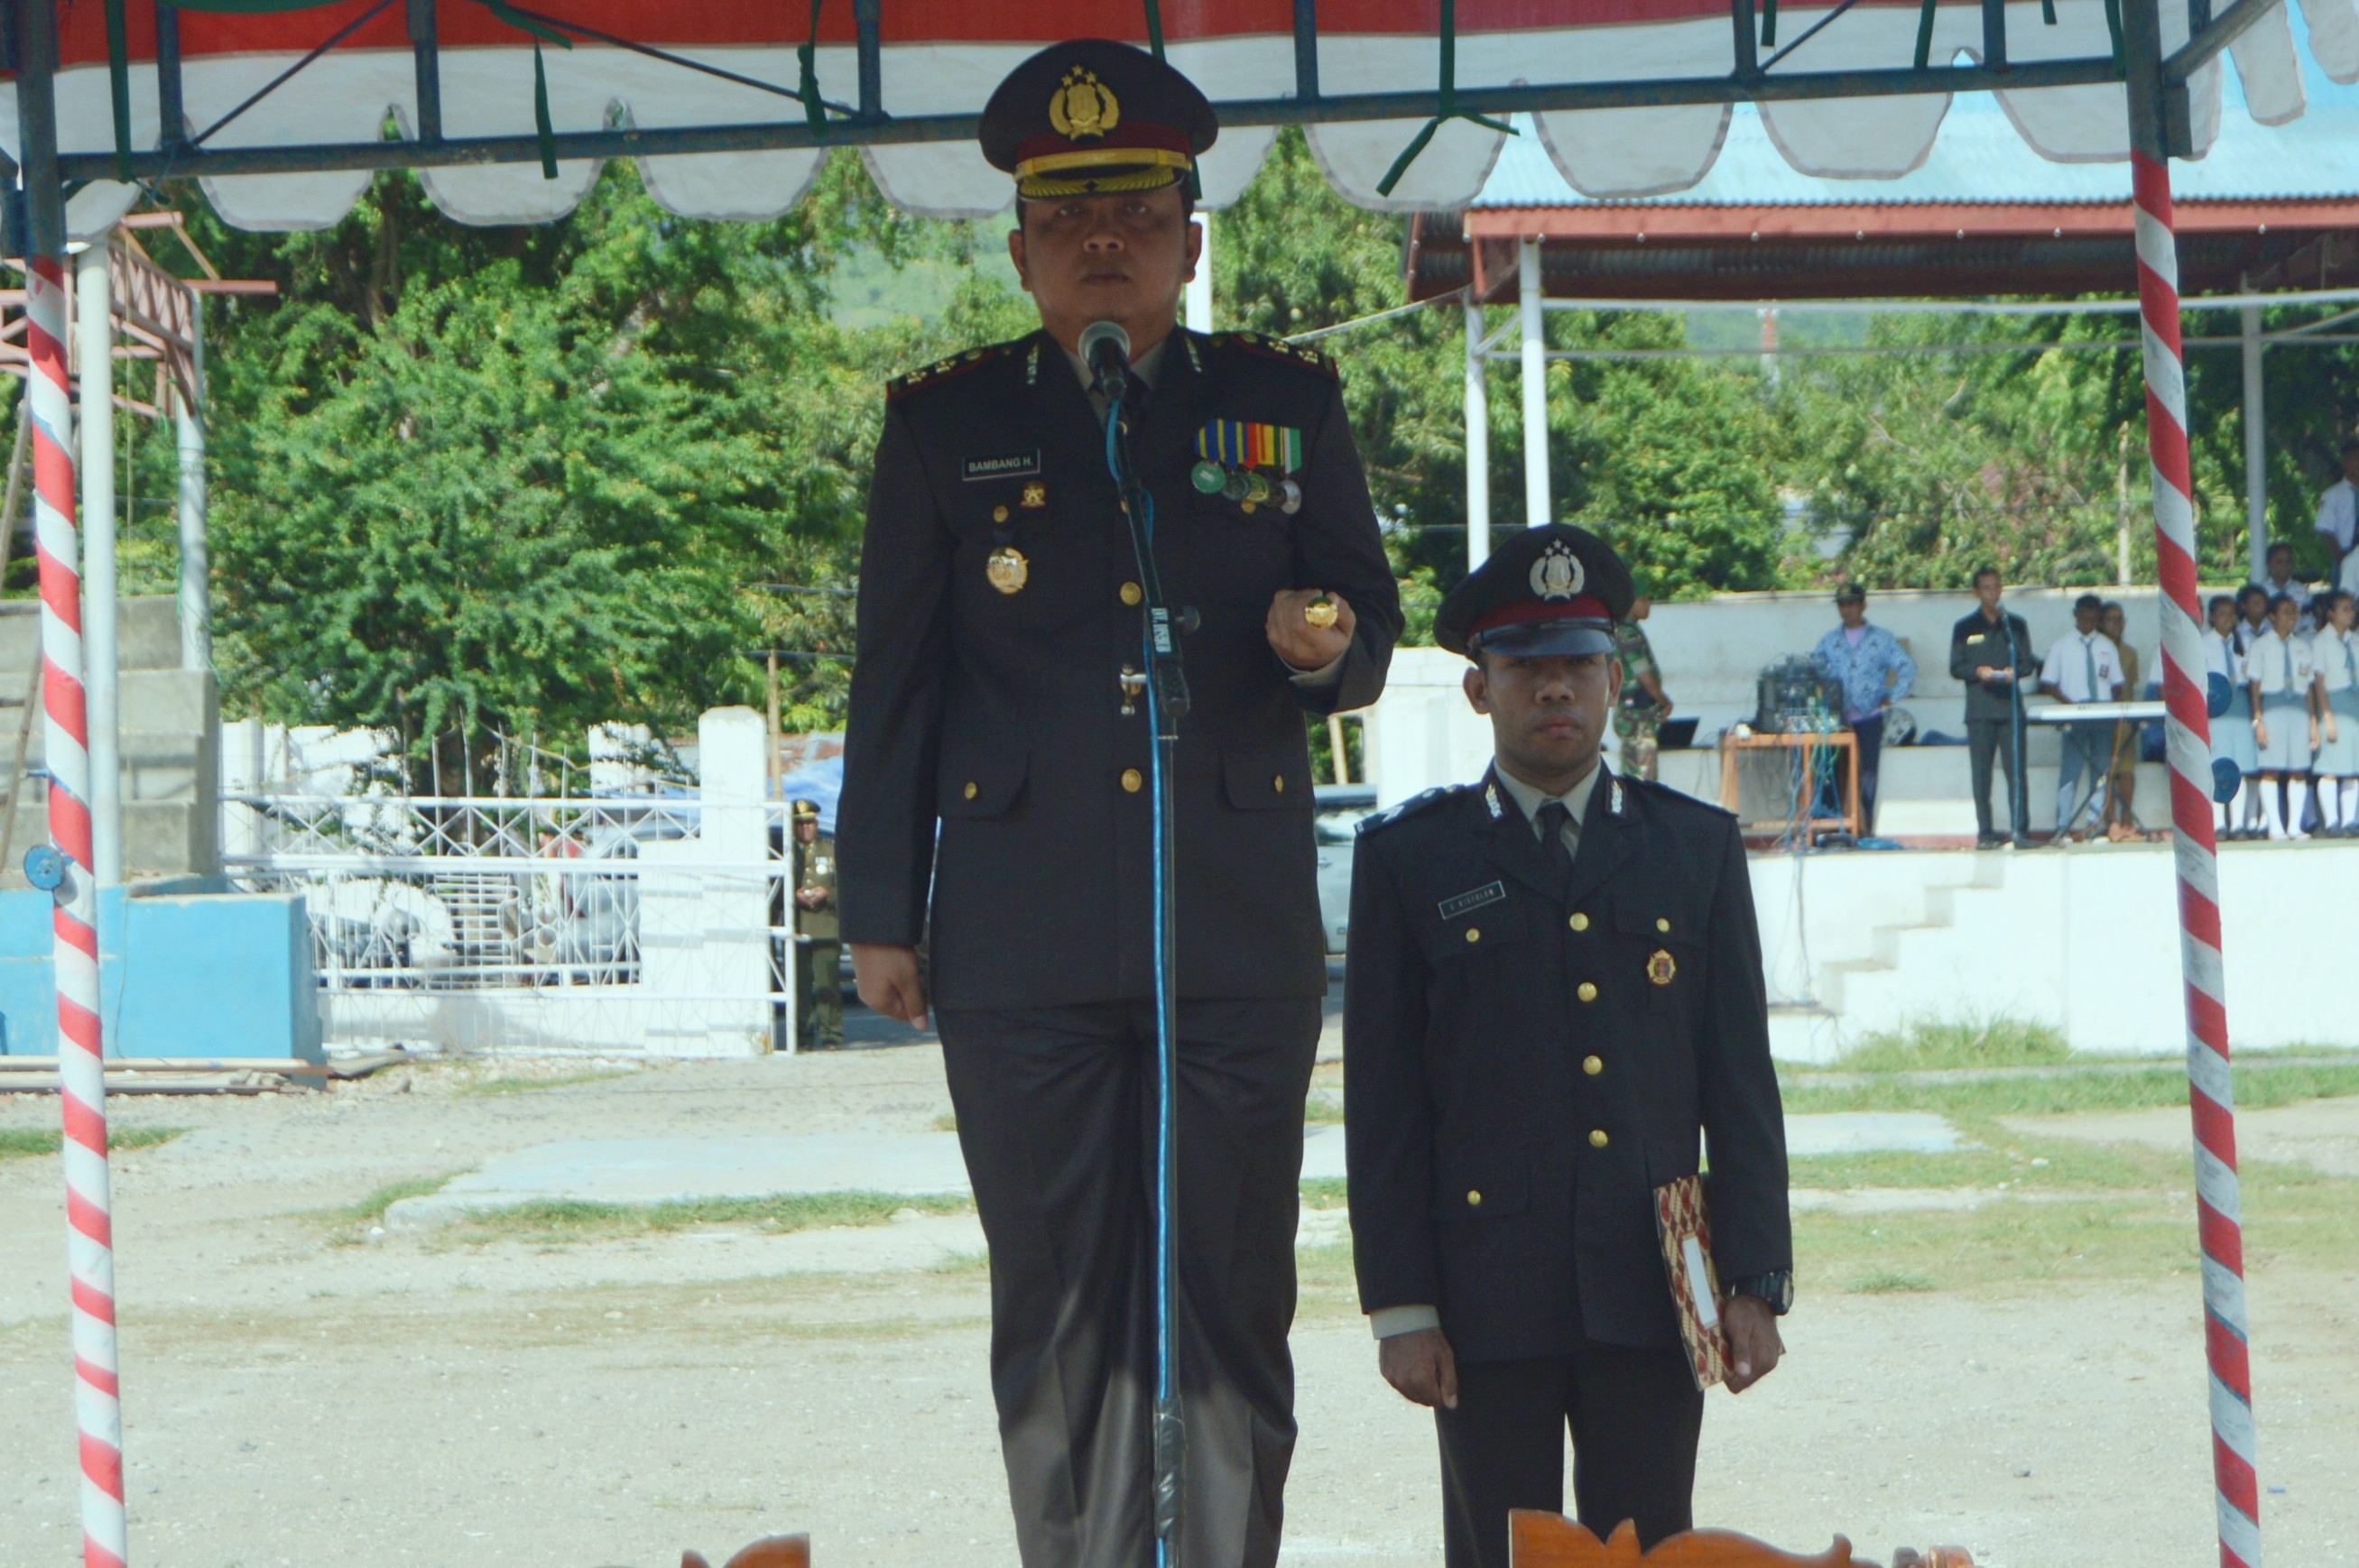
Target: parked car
(1340,809)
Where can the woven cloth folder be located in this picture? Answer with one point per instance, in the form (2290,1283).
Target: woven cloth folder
(1686,1230)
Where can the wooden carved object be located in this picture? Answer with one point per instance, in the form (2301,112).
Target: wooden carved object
(770,1551)
(1538,1540)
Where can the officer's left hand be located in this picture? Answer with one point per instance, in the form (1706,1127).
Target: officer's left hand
(1753,1348)
(1303,646)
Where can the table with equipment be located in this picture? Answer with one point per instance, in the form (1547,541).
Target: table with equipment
(1804,818)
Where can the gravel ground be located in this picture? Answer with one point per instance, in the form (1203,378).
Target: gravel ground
(300,1392)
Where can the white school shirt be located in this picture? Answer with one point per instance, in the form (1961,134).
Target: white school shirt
(2280,665)
(2071,660)
(2338,514)
(2335,656)
(2223,657)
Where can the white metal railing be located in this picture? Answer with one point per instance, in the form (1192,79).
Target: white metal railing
(594,921)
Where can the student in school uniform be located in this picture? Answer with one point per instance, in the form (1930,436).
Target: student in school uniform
(2285,725)
(2083,666)
(2251,625)
(2231,733)
(2334,659)
(2279,578)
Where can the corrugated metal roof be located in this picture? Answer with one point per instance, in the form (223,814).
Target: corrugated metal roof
(1980,156)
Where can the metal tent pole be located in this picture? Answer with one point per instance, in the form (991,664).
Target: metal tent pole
(1536,453)
(1478,440)
(94,345)
(196,558)
(2234,1473)
(90,1246)
(2256,435)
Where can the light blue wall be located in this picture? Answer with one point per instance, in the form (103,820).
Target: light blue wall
(186,969)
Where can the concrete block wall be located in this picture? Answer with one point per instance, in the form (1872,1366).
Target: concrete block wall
(170,743)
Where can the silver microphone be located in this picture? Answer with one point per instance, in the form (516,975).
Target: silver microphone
(1105,349)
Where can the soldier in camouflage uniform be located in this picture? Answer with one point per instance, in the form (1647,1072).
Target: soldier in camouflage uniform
(818,990)
(1643,707)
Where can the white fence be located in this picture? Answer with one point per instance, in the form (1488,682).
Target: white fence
(646,923)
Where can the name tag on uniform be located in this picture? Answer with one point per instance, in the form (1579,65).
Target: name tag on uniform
(1974,637)
(1006,465)
(1451,908)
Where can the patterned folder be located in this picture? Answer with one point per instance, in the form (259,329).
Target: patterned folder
(1686,1230)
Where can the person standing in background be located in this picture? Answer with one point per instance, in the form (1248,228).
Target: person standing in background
(818,985)
(2285,725)
(2334,659)
(2338,518)
(2083,666)
(1876,671)
(1638,717)
(2279,578)
(1990,651)
(2121,821)
(2231,729)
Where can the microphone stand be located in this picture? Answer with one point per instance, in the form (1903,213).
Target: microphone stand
(1167,703)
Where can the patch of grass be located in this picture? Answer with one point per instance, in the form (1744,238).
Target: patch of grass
(556,1081)
(571,1220)
(946,1122)
(1323,1109)
(22,1142)
(2257,1088)
(371,1209)
(1888,1281)
(1323,1192)
(1987,1043)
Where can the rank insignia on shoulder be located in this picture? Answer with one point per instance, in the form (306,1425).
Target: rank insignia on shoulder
(942,370)
(1278,348)
(1423,801)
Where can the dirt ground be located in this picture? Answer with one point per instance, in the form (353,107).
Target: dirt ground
(301,1394)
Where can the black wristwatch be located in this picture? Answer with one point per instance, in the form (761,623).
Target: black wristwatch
(1776,1287)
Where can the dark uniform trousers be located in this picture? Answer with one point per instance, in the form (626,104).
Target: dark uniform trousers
(1989,739)
(1533,1050)
(992,765)
(1635,1414)
(1056,1111)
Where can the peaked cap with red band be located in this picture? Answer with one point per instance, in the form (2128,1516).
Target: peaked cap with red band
(1550,592)
(1091,117)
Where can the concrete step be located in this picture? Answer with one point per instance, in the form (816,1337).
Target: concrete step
(147,699)
(147,632)
(160,838)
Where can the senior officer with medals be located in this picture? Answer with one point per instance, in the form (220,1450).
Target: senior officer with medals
(996,701)
(1554,988)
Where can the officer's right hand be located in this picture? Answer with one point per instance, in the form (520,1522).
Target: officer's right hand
(1420,1366)
(888,980)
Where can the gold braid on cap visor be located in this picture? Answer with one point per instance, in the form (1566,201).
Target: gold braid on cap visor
(1127,168)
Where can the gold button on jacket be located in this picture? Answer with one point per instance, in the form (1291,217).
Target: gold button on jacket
(1597,1140)
(1132,593)
(1473,1199)
(1579,922)
(1592,1065)
(1133,780)
(1588,992)
(973,789)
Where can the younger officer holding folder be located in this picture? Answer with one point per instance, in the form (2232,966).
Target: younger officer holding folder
(1554,995)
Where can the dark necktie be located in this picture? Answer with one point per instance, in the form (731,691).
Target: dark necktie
(1552,818)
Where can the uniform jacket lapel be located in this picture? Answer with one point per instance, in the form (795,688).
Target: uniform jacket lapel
(1174,407)
(1610,834)
(1061,410)
(1509,842)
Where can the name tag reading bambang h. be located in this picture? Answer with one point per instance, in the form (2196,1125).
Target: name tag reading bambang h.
(1006,465)
(1493,892)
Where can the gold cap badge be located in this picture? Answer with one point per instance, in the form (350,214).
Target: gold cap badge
(1083,106)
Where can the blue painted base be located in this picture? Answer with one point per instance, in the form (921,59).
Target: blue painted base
(187,968)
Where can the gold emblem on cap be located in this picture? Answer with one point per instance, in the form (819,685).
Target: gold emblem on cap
(1083,106)
(1320,612)
(1661,968)
(1007,569)
(1558,574)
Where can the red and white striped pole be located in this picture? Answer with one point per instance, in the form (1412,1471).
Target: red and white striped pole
(89,1245)
(2234,1467)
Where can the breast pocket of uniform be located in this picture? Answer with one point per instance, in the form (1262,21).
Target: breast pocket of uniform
(983,786)
(1663,946)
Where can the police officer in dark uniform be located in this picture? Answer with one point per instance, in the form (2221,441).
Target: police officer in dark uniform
(1991,652)
(996,701)
(1554,987)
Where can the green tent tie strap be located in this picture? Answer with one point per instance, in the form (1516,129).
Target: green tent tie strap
(1924,34)
(807,84)
(2114,26)
(1155,30)
(119,57)
(540,32)
(1446,104)
(1768,24)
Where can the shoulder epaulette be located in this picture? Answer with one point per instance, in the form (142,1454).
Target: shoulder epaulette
(1279,348)
(1425,800)
(942,370)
